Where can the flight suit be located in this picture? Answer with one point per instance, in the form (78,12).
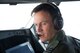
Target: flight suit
(60,44)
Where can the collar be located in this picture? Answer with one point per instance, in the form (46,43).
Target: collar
(57,38)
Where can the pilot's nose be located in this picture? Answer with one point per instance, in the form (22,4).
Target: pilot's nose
(38,28)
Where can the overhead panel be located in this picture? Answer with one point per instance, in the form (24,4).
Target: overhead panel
(31,1)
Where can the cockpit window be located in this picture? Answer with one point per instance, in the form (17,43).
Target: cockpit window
(16,16)
(19,16)
(71,15)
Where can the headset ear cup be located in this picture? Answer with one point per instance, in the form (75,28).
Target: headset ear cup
(58,23)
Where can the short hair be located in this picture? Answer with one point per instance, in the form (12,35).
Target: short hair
(51,8)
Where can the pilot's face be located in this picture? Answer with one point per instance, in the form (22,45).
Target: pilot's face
(44,25)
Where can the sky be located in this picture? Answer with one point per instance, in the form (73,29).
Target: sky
(15,16)
(19,16)
(71,15)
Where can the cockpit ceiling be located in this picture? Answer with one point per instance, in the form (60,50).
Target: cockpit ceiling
(31,1)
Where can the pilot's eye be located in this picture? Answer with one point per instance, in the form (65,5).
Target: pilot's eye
(44,23)
(35,24)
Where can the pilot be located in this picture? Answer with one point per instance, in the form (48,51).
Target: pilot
(49,23)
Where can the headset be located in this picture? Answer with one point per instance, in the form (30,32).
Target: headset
(57,19)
